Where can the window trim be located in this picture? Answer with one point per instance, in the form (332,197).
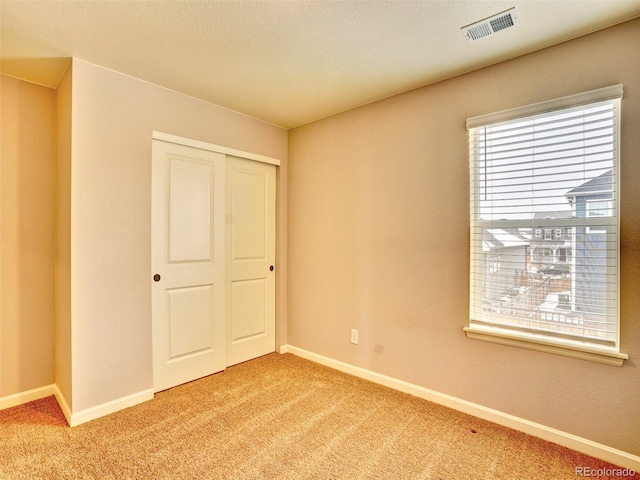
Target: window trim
(592,96)
(610,355)
(541,343)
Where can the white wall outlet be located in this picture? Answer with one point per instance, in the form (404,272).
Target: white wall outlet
(354,336)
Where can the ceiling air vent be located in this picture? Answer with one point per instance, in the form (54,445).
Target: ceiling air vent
(491,25)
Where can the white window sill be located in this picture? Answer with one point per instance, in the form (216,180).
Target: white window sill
(557,346)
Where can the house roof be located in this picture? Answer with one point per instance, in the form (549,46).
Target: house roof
(551,215)
(500,238)
(601,184)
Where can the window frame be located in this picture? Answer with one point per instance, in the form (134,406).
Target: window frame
(537,340)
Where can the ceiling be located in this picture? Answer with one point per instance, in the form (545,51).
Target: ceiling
(285,62)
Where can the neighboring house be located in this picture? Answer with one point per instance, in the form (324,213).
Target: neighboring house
(551,246)
(593,198)
(505,261)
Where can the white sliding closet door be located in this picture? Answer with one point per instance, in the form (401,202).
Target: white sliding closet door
(188,263)
(251,199)
(213,259)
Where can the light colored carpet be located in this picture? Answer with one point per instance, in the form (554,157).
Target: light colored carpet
(276,417)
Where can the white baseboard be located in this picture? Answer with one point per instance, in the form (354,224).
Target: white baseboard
(75,418)
(64,405)
(83,416)
(26,397)
(579,444)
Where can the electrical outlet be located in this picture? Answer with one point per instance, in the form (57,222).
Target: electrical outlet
(354,336)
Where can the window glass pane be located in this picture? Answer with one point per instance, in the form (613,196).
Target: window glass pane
(560,285)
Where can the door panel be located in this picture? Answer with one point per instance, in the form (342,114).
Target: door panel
(249,307)
(190,311)
(188,255)
(250,254)
(190,199)
(249,214)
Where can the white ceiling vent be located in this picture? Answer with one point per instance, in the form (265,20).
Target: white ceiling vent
(492,25)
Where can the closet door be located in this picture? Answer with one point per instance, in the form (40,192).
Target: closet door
(188,263)
(251,199)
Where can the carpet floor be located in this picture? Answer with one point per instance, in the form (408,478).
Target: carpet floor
(277,417)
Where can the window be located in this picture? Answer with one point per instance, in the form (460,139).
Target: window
(569,232)
(598,208)
(494,263)
(552,166)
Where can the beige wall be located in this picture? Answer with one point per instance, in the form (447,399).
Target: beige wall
(113,117)
(26,240)
(379,241)
(62,338)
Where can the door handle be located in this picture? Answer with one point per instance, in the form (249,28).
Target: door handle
(271,268)
(156,277)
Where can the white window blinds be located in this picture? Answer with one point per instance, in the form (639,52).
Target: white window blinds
(544,218)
